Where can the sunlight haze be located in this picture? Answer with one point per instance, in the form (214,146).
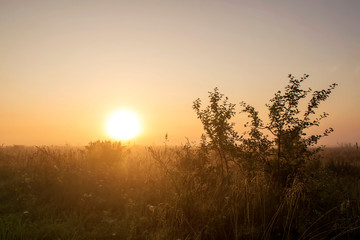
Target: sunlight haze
(65,66)
(123,125)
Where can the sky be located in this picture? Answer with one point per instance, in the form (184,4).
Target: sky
(65,66)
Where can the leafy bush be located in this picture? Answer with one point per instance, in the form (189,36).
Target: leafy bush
(283,155)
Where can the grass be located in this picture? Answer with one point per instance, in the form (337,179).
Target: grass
(109,191)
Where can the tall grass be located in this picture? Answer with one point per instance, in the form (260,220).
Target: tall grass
(110,191)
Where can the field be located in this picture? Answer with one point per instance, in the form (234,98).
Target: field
(179,120)
(110,191)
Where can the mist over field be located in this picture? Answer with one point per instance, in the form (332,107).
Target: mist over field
(230,186)
(179,119)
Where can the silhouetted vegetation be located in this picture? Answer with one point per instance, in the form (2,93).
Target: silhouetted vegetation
(281,156)
(271,183)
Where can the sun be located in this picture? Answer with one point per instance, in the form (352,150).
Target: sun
(123,125)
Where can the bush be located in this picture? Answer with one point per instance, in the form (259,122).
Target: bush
(283,155)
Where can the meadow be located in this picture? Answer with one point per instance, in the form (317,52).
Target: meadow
(110,191)
(273,182)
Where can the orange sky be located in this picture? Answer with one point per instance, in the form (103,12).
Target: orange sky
(65,66)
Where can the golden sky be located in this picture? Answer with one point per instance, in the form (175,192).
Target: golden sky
(65,66)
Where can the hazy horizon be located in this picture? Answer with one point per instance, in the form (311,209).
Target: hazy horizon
(66,66)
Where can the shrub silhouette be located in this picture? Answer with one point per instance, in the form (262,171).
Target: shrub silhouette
(215,119)
(105,152)
(281,155)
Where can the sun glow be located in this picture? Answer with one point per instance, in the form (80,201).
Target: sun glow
(123,125)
